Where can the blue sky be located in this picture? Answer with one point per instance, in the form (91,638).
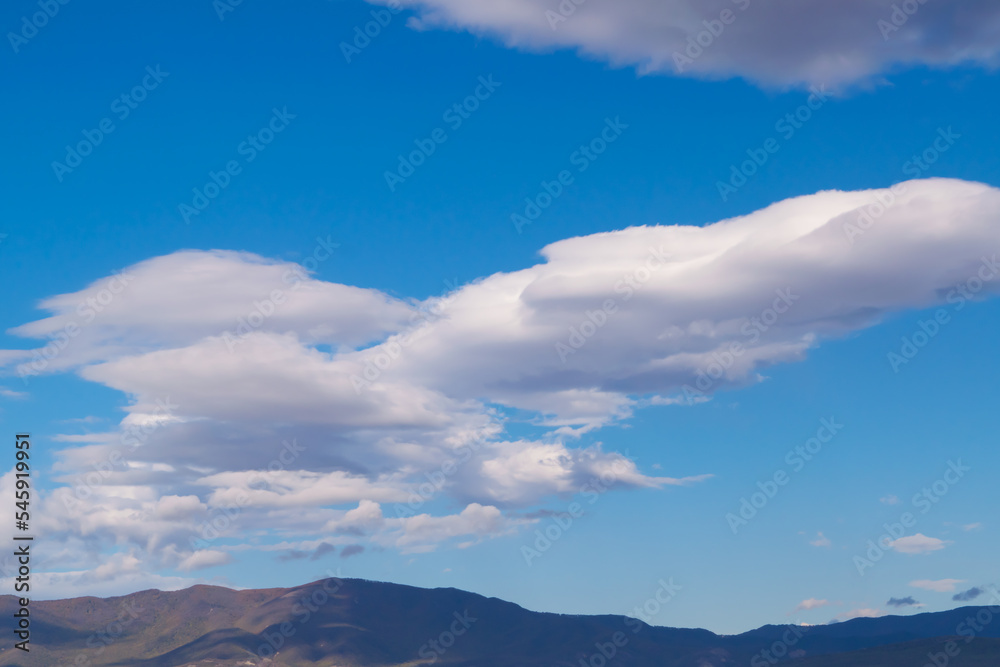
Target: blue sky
(440,252)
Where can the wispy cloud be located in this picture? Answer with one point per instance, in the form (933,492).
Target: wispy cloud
(821,540)
(810,604)
(351,550)
(938,586)
(903,602)
(969,595)
(918,544)
(860,613)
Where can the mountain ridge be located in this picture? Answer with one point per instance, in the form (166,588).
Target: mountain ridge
(355,622)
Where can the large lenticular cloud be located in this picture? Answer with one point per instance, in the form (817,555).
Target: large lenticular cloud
(774,42)
(349,431)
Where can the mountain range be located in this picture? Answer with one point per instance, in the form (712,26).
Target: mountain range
(354,623)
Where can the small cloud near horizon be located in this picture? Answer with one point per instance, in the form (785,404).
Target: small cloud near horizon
(858,613)
(810,604)
(966,596)
(295,554)
(908,601)
(939,586)
(322,550)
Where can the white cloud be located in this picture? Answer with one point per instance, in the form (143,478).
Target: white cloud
(889,500)
(434,413)
(173,508)
(675,326)
(938,586)
(299,488)
(810,604)
(860,613)
(189,295)
(60,585)
(204,558)
(918,544)
(972,526)
(821,540)
(775,43)
(498,337)
(424,532)
(90,419)
(525,472)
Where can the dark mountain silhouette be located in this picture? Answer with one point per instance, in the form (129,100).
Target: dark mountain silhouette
(353,623)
